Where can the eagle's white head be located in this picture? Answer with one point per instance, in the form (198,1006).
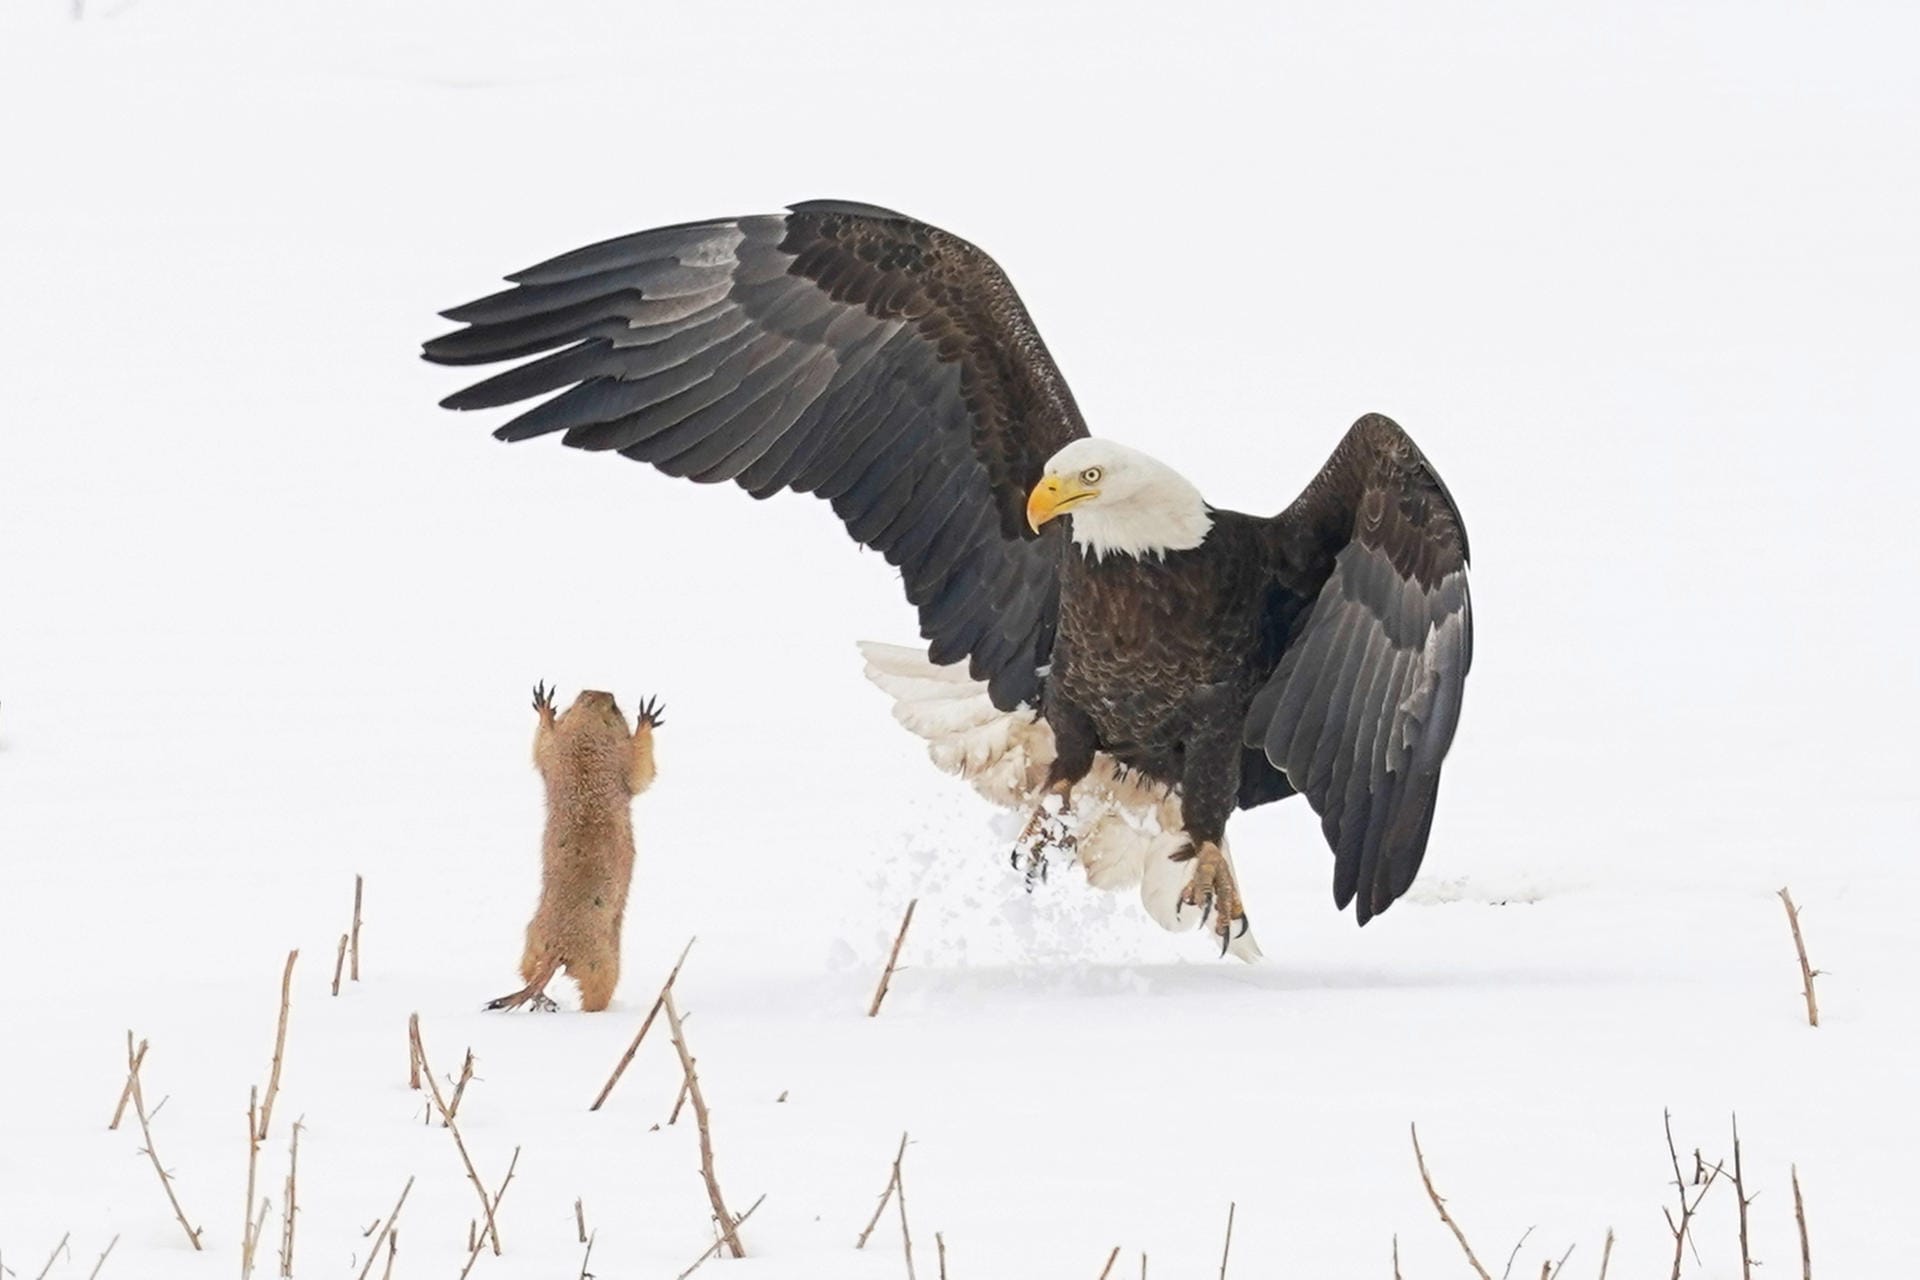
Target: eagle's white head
(1122,502)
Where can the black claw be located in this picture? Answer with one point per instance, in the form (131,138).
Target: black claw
(1226,936)
(1245,924)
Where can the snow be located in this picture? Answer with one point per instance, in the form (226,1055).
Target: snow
(1638,278)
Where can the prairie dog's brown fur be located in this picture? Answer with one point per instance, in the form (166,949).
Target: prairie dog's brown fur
(593,767)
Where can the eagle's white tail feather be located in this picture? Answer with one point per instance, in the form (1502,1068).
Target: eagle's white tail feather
(1129,830)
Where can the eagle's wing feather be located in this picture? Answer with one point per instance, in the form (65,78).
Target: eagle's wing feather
(836,349)
(1362,705)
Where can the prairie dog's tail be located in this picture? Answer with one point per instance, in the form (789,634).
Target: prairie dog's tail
(1129,830)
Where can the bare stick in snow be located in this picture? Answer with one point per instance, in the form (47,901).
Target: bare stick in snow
(253,1230)
(729,1233)
(413,1051)
(1440,1205)
(580,1219)
(1104,1271)
(54,1256)
(1807,972)
(146,1135)
(1606,1254)
(289,1203)
(473,1248)
(886,1194)
(880,992)
(247,1241)
(940,1243)
(587,1256)
(459,1088)
(94,1274)
(1740,1194)
(678,1102)
(1549,1272)
(353,944)
(393,1251)
(1800,1221)
(620,1067)
(715,1246)
(386,1228)
(126,1090)
(339,963)
(1229,1245)
(1511,1257)
(440,1105)
(906,1233)
(279,1045)
(1704,1178)
(1396,1256)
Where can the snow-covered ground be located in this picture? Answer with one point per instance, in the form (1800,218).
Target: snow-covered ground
(1640,279)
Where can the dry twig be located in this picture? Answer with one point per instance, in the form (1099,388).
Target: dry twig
(339,963)
(1740,1194)
(1807,972)
(1514,1256)
(473,1248)
(1800,1221)
(1396,1256)
(247,1241)
(729,1232)
(906,1232)
(413,1051)
(126,1090)
(886,1194)
(440,1105)
(587,1256)
(1104,1271)
(620,1067)
(353,944)
(1229,1245)
(55,1256)
(146,1135)
(393,1251)
(880,992)
(940,1243)
(94,1274)
(289,1203)
(1441,1206)
(279,1046)
(1606,1254)
(715,1246)
(580,1218)
(1704,1178)
(460,1087)
(386,1228)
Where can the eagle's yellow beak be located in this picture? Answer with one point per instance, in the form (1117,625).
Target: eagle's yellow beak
(1054,495)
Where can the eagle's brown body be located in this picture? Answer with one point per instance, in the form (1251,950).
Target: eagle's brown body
(1157,659)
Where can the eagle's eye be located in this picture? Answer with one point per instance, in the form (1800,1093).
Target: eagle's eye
(1090,476)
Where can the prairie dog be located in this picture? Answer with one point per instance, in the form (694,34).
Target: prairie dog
(593,767)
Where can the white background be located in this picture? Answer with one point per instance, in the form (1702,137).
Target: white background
(1641,282)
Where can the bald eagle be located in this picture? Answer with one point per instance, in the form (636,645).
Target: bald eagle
(1103,646)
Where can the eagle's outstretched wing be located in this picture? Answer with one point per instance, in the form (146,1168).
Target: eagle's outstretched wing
(1362,706)
(836,349)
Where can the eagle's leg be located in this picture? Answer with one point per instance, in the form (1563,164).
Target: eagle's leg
(1210,786)
(1212,889)
(1052,826)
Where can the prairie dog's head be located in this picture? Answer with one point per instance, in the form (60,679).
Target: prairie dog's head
(593,709)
